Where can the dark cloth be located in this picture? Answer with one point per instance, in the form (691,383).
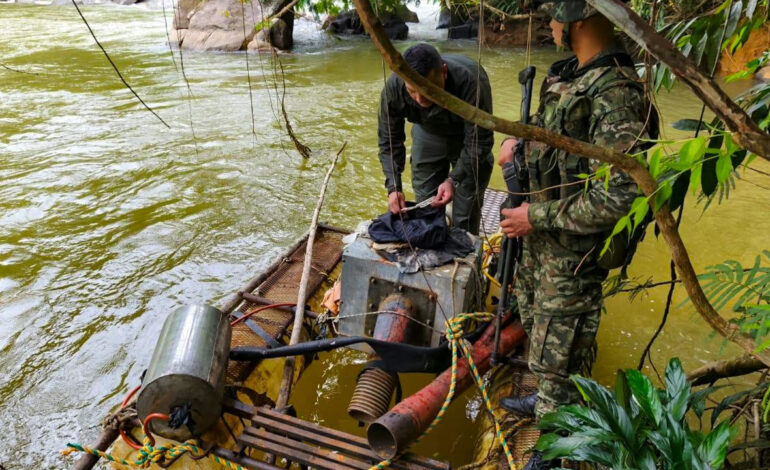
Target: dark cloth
(422,228)
(458,244)
(432,156)
(396,107)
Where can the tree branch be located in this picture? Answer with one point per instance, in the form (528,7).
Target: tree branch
(624,162)
(722,369)
(746,132)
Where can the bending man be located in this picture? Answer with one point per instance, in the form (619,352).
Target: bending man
(451,158)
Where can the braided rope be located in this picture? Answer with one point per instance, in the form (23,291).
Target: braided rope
(150,454)
(454,332)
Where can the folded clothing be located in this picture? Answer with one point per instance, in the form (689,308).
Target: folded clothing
(425,227)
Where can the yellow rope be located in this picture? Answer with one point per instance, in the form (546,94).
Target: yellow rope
(454,333)
(149,454)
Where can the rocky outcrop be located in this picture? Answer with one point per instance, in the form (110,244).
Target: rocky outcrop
(230,25)
(348,23)
(763,74)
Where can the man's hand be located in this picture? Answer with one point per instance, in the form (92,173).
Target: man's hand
(396,202)
(515,222)
(506,151)
(445,193)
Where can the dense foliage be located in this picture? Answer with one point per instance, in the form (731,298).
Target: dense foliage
(638,426)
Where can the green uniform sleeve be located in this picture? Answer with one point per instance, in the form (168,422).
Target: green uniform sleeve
(390,134)
(477,141)
(617,121)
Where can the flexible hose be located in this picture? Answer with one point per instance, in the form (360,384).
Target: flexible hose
(257,310)
(128,441)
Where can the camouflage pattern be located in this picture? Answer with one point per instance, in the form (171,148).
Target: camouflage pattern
(559,279)
(567,11)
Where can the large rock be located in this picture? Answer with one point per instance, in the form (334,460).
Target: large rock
(763,74)
(348,23)
(218,25)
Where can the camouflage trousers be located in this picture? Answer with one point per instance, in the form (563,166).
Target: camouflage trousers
(560,301)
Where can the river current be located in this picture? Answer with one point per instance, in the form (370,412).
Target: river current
(109,220)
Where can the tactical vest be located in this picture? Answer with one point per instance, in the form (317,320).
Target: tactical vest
(565,108)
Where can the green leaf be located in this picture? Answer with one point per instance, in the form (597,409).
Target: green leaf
(724,168)
(622,392)
(663,195)
(693,150)
(639,209)
(655,167)
(677,389)
(645,395)
(713,449)
(604,403)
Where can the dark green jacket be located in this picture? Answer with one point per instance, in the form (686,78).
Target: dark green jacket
(396,106)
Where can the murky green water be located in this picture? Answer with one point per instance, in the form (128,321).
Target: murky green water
(108,220)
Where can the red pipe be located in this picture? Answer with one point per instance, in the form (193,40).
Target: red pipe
(392,432)
(375,386)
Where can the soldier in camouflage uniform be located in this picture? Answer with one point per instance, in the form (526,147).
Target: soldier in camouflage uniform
(595,96)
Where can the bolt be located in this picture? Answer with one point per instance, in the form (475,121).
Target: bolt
(372,280)
(371,306)
(400,288)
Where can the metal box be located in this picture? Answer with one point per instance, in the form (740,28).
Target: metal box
(438,293)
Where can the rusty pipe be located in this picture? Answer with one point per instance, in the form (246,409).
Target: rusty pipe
(400,426)
(375,386)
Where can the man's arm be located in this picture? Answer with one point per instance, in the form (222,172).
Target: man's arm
(619,123)
(391,136)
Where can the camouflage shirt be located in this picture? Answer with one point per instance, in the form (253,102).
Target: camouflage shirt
(601,103)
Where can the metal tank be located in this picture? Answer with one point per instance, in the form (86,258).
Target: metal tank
(187,370)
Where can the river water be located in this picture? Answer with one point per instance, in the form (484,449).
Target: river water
(109,220)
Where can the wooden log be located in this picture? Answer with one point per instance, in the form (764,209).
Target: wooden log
(299,316)
(716,370)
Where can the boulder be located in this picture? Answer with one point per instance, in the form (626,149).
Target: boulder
(448,18)
(217,25)
(763,74)
(282,30)
(347,23)
(468,30)
(183,13)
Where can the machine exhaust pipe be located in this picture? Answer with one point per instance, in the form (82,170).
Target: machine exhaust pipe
(392,432)
(375,386)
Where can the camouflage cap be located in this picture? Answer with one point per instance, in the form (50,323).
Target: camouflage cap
(567,11)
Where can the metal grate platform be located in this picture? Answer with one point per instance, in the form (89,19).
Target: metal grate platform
(280,286)
(490,211)
(313,445)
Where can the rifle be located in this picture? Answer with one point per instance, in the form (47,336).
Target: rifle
(510,251)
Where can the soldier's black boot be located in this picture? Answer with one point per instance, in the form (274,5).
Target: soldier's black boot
(522,406)
(536,462)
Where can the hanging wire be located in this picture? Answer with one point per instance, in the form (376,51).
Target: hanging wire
(248,78)
(190,96)
(115,67)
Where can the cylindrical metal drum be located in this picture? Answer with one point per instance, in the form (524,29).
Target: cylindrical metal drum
(187,370)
